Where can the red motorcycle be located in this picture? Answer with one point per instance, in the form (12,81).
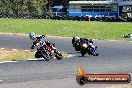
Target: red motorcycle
(48,52)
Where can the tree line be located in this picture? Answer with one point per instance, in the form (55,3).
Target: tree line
(33,7)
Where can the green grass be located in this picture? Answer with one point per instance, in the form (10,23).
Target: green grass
(96,30)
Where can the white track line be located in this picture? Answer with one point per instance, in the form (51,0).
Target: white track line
(71,55)
(1,80)
(8,62)
(130,41)
(14,49)
(2,48)
(35,59)
(27,50)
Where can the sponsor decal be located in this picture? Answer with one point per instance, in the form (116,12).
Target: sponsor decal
(82,78)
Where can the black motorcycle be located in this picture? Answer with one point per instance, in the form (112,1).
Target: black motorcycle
(77,44)
(127,36)
(91,49)
(47,52)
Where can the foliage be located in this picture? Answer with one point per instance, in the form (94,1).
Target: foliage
(23,6)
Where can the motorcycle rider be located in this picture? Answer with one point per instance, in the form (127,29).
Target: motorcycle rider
(77,39)
(36,39)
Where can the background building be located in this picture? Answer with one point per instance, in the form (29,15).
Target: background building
(101,8)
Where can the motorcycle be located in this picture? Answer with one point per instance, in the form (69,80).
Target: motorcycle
(77,44)
(127,36)
(90,48)
(48,52)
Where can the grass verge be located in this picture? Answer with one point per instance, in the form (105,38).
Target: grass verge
(96,30)
(13,55)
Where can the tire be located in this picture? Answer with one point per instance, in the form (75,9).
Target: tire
(83,53)
(45,56)
(89,53)
(37,54)
(58,55)
(97,54)
(94,54)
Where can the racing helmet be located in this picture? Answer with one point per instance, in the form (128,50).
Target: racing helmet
(31,35)
(77,38)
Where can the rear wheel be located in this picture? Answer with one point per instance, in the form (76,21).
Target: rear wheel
(37,54)
(83,53)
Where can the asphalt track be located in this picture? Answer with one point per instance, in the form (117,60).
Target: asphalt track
(115,57)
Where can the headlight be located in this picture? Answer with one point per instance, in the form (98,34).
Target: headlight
(85,45)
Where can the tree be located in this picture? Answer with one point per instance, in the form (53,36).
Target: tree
(23,6)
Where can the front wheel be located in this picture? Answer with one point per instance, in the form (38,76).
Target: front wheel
(94,53)
(58,55)
(97,54)
(83,53)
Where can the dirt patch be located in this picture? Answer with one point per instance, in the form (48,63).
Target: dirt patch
(14,54)
(6,54)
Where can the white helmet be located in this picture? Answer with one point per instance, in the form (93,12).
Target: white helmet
(77,38)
